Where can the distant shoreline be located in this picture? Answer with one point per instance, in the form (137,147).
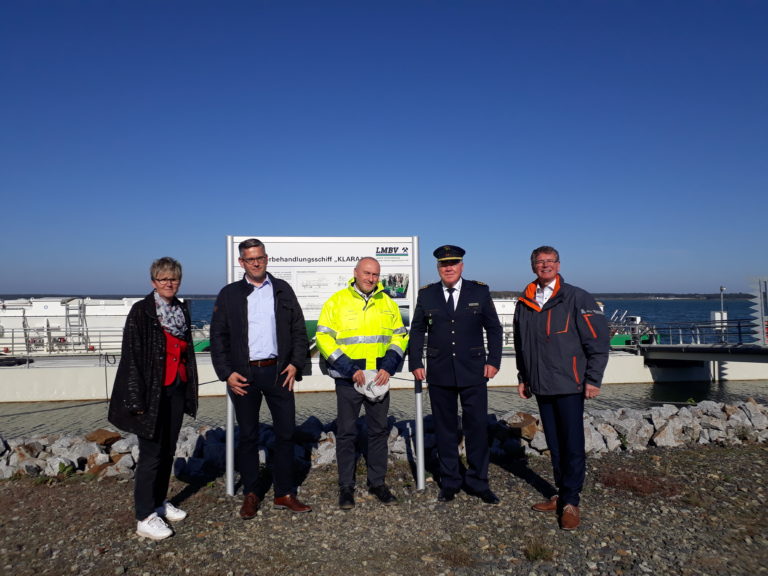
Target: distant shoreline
(644,296)
(494,293)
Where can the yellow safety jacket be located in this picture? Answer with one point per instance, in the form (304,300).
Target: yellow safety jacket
(355,333)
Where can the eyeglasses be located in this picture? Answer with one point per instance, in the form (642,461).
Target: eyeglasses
(545,262)
(254,260)
(167,280)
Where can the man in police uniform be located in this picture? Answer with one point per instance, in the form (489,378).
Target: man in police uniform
(454,313)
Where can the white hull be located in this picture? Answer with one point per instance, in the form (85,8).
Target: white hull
(62,325)
(91,377)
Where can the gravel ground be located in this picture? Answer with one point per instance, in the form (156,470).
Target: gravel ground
(684,511)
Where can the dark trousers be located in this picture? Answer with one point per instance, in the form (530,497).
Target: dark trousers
(153,470)
(474,423)
(348,403)
(281,403)
(562,418)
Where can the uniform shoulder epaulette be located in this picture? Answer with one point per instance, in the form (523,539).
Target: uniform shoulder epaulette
(478,282)
(427,285)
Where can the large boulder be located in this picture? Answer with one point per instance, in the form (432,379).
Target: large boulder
(103,437)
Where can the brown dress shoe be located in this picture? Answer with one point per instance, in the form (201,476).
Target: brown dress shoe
(292,503)
(546,506)
(569,519)
(250,506)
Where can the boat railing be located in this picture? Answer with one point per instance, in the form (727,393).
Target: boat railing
(36,341)
(733,332)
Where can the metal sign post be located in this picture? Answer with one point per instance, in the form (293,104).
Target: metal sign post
(230,450)
(417,385)
(420,465)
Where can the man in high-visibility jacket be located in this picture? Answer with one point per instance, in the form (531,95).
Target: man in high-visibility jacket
(360,328)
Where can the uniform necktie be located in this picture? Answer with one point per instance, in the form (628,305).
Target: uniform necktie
(451,304)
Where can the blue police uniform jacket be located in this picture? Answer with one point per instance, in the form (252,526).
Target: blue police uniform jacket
(456,353)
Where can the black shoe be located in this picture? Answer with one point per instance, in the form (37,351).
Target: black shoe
(446,495)
(383,494)
(488,496)
(346,497)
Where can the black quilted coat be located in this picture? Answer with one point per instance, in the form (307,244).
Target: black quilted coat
(141,372)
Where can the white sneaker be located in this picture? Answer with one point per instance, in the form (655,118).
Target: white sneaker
(170,512)
(153,527)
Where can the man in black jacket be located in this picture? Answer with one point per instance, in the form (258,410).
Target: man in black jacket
(561,348)
(456,313)
(259,346)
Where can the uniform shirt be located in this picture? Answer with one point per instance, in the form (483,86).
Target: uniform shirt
(456,291)
(262,328)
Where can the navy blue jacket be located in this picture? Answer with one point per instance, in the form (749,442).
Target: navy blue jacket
(563,345)
(229,329)
(456,354)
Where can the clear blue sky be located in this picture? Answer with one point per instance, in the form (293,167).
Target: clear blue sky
(632,135)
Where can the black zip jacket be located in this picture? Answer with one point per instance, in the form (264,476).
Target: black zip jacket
(563,345)
(229,329)
(141,371)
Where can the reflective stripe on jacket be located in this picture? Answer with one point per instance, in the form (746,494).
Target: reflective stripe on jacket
(354,333)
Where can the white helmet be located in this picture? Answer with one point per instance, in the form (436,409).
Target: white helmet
(370,390)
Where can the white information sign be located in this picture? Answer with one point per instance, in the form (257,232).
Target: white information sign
(316,267)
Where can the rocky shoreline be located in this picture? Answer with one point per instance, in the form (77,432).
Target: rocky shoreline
(695,509)
(200,452)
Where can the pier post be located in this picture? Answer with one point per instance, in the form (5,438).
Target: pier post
(419,420)
(230,448)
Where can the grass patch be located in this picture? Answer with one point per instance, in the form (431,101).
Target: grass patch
(400,470)
(536,551)
(457,556)
(693,499)
(638,482)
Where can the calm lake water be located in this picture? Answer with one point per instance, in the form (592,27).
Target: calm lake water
(652,311)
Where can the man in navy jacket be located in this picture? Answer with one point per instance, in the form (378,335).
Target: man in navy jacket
(455,314)
(561,347)
(259,346)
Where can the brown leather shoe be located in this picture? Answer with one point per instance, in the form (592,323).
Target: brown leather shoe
(251,504)
(292,503)
(546,506)
(569,519)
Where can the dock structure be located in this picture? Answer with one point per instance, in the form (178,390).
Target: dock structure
(704,352)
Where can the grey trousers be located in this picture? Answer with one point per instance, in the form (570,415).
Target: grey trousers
(348,403)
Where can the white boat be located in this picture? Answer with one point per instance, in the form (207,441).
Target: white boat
(62,325)
(505,308)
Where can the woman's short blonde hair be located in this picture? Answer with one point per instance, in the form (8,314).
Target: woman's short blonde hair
(164,265)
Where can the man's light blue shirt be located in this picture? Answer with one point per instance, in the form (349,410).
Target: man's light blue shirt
(262,327)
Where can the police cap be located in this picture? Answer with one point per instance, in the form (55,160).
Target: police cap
(449,253)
